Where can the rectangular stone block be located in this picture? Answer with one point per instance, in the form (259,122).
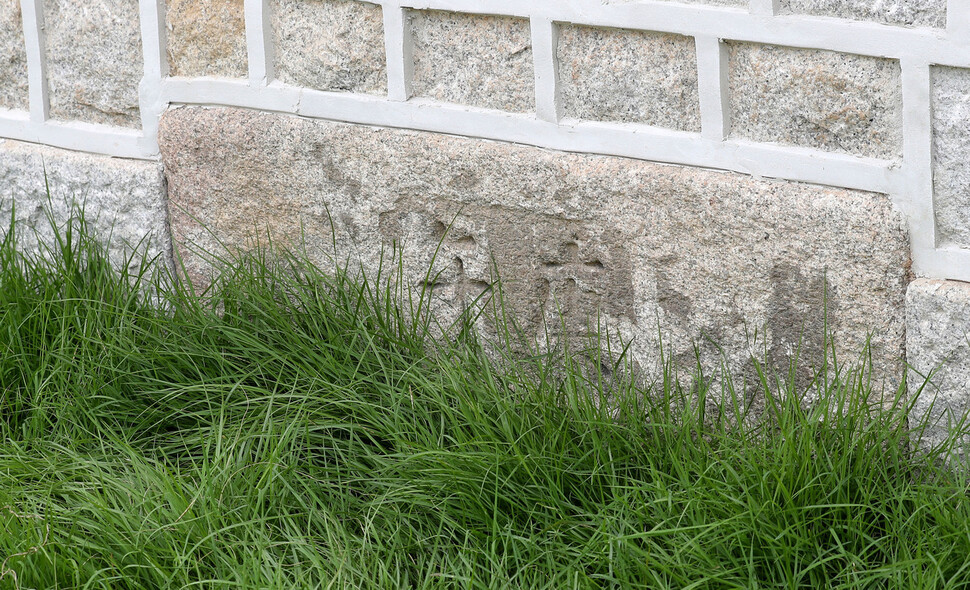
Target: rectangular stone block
(207,38)
(937,346)
(813,98)
(482,61)
(13,57)
(697,255)
(951,155)
(94,60)
(914,13)
(629,76)
(335,45)
(124,200)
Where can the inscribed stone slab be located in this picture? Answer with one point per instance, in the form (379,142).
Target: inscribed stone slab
(696,255)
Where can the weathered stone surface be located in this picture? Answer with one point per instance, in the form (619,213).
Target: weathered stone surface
(483,61)
(740,261)
(94,60)
(629,76)
(13,57)
(951,155)
(814,98)
(124,200)
(938,342)
(919,13)
(207,38)
(330,45)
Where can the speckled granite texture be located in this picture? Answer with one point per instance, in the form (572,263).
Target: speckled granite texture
(692,251)
(94,60)
(13,57)
(482,61)
(937,332)
(951,155)
(207,38)
(629,76)
(123,199)
(918,13)
(812,98)
(330,45)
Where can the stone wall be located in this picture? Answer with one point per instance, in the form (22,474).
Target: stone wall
(533,123)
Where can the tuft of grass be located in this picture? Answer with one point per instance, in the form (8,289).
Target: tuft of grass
(299,428)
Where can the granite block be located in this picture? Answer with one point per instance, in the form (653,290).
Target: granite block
(914,13)
(818,99)
(207,38)
(482,61)
(13,57)
(629,76)
(94,61)
(335,45)
(951,155)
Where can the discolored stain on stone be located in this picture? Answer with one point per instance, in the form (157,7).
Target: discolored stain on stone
(94,60)
(207,38)
(482,61)
(335,45)
(814,98)
(629,76)
(731,264)
(917,13)
(13,57)
(951,155)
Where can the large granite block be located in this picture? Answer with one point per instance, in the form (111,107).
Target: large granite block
(629,76)
(919,13)
(482,61)
(951,155)
(330,45)
(13,57)
(124,200)
(207,38)
(94,60)
(938,346)
(697,255)
(817,99)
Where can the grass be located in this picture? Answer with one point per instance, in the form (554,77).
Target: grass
(295,428)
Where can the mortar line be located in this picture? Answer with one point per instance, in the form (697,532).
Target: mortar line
(32,12)
(915,195)
(545,46)
(764,7)
(713,87)
(259,42)
(399,52)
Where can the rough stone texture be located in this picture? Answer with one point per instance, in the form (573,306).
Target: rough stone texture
(814,98)
(13,57)
(124,200)
(919,13)
(330,45)
(705,254)
(94,60)
(951,155)
(207,38)
(483,61)
(629,76)
(937,331)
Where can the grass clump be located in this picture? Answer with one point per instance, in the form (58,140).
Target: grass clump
(294,428)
